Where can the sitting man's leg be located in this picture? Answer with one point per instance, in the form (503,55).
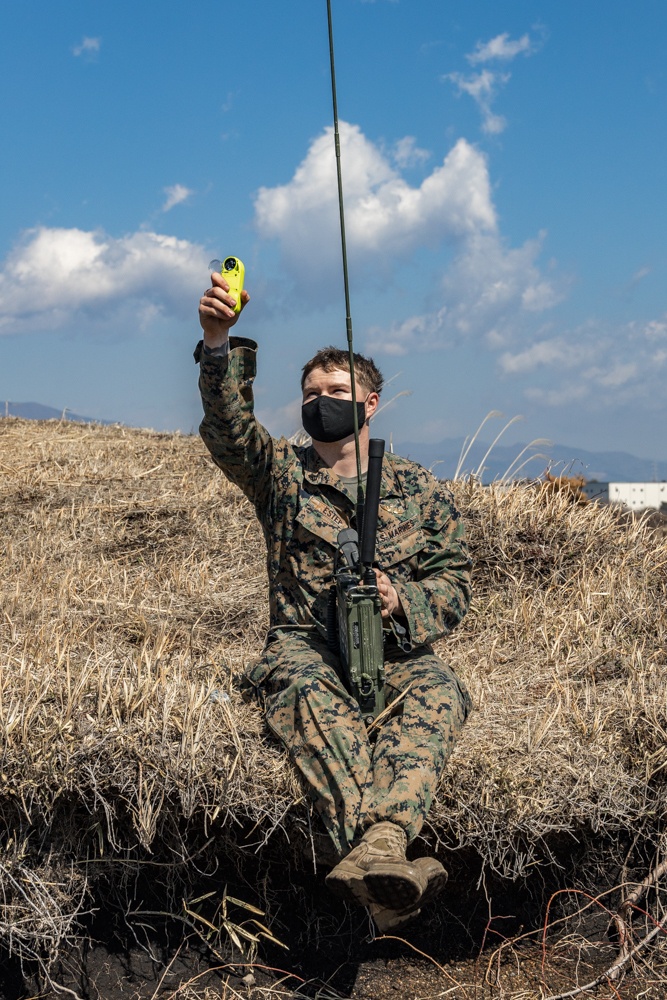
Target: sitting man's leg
(430,707)
(415,742)
(308,708)
(380,795)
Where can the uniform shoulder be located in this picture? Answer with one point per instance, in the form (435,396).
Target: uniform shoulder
(287,459)
(411,472)
(434,495)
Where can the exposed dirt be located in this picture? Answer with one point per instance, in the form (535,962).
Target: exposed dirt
(525,972)
(472,944)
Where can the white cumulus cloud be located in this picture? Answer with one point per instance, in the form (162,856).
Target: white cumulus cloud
(53,275)
(655,329)
(610,365)
(501,47)
(484,291)
(619,374)
(424,332)
(408,154)
(558,352)
(563,396)
(384,214)
(488,293)
(483,88)
(485,85)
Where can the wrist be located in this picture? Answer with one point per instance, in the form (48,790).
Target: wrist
(215,340)
(397,608)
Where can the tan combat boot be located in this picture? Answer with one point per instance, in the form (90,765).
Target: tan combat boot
(377,871)
(386,919)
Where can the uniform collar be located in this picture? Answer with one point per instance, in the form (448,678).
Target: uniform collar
(319,474)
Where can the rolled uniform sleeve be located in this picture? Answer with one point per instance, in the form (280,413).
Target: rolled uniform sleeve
(238,443)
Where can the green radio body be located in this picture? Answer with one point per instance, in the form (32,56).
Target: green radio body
(354,626)
(361,643)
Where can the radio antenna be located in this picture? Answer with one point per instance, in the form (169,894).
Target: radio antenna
(346,282)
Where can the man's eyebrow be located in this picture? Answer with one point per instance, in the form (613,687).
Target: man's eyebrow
(341,383)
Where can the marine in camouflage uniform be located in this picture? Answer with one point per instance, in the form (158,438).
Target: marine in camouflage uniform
(302,506)
(372,793)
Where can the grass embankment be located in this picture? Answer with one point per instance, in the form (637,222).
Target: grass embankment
(134,591)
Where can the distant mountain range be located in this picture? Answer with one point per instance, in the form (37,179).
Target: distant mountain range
(37,411)
(604,466)
(443,457)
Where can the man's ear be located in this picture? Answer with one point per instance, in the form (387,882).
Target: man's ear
(372,402)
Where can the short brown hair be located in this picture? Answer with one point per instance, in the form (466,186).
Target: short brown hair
(330,358)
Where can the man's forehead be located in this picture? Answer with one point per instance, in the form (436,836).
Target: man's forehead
(318,376)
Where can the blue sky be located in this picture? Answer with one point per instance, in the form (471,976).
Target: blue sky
(504,172)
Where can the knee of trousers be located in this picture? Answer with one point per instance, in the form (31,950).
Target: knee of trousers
(310,681)
(432,682)
(300,676)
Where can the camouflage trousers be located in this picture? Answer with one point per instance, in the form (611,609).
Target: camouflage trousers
(354,782)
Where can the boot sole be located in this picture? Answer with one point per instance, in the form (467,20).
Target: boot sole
(388,920)
(398,886)
(396,889)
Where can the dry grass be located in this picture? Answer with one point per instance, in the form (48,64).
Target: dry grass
(565,656)
(133,591)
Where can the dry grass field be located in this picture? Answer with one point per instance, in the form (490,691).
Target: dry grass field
(133,591)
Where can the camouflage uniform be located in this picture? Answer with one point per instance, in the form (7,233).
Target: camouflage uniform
(302,506)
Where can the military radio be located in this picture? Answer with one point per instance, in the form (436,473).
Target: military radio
(354,623)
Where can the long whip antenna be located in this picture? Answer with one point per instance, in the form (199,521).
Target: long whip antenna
(346,282)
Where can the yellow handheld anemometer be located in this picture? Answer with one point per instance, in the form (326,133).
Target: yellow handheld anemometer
(233,272)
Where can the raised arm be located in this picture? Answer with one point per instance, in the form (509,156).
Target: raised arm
(238,443)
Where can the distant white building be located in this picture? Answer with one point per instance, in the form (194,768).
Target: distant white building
(634,496)
(638,496)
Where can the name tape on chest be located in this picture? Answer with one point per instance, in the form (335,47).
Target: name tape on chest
(401,529)
(319,510)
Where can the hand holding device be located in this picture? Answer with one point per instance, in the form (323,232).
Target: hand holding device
(233,272)
(220,306)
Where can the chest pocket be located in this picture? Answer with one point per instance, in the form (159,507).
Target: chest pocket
(312,547)
(316,517)
(400,536)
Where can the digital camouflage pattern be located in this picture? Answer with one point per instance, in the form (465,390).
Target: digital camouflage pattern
(355,783)
(302,506)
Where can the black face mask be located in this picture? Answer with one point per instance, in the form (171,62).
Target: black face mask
(328,419)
